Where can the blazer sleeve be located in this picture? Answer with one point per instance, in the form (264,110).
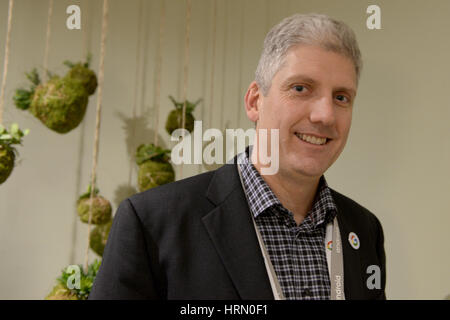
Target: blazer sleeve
(382,258)
(125,271)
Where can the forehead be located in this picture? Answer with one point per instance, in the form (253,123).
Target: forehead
(319,65)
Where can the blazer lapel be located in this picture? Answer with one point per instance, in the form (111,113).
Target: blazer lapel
(352,264)
(232,232)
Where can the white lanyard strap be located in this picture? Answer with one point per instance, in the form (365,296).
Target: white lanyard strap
(334,258)
(337,264)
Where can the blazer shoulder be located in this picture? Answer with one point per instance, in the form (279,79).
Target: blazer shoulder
(185,187)
(354,211)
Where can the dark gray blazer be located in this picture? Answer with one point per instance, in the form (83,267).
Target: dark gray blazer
(194,239)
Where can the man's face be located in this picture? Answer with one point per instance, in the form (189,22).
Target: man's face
(311,95)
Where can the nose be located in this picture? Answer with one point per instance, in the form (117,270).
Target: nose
(323,111)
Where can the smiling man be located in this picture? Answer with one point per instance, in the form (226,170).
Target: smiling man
(235,233)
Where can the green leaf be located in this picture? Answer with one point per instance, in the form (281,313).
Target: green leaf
(69,63)
(5,137)
(14,128)
(151,152)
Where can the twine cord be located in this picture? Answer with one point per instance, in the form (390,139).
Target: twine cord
(6,59)
(159,67)
(97,123)
(186,68)
(213,59)
(47,39)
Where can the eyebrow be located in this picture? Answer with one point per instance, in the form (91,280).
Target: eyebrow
(312,81)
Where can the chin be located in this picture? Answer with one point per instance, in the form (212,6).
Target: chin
(305,170)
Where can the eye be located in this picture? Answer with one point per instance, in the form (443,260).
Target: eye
(343,98)
(300,88)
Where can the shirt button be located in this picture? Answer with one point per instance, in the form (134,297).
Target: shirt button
(307,293)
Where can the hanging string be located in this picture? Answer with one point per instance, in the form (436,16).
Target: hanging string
(6,59)
(136,86)
(85,48)
(97,122)
(186,68)
(47,39)
(241,58)
(224,63)
(213,59)
(159,67)
(87,36)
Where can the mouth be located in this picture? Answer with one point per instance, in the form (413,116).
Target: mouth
(312,140)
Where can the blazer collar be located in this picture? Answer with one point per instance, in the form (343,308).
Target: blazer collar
(231,230)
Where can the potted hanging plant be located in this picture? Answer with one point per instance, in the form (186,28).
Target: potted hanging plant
(79,291)
(101,207)
(61,102)
(8,152)
(175,118)
(155,168)
(99,236)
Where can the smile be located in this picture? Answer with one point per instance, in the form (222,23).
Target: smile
(312,139)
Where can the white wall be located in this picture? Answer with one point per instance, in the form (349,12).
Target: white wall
(395,163)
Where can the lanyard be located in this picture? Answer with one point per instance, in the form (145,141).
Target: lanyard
(333,251)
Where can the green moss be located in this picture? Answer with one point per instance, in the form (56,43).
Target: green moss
(154,166)
(85,75)
(7,150)
(175,121)
(151,152)
(99,236)
(60,292)
(153,173)
(7,158)
(60,103)
(175,118)
(101,210)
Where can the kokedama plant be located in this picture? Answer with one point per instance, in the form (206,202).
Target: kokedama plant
(81,283)
(99,236)
(154,166)
(59,103)
(101,208)
(175,118)
(8,152)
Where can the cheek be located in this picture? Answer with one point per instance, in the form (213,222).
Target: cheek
(344,122)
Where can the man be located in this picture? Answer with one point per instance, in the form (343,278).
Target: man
(235,233)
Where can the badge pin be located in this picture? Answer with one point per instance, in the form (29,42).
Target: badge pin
(330,245)
(354,240)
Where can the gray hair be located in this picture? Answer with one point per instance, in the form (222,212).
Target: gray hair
(308,29)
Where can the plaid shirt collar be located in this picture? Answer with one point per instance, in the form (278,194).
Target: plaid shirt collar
(261,197)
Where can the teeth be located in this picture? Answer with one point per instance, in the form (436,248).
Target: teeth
(311,139)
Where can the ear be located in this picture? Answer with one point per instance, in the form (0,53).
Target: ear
(252,101)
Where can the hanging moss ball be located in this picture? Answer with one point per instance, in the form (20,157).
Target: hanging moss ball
(154,173)
(101,210)
(175,119)
(99,236)
(80,285)
(60,292)
(85,75)
(7,158)
(60,103)
(155,168)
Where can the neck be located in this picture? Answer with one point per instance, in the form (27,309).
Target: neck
(295,192)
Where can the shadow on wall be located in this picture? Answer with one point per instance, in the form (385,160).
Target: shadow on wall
(137,132)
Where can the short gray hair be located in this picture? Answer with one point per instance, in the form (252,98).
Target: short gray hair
(308,29)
